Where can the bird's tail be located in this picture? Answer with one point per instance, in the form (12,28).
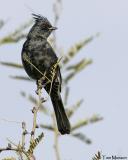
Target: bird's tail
(61,117)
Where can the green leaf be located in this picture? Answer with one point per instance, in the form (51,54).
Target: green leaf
(76,69)
(86,121)
(69,77)
(66,95)
(48,127)
(17,35)
(21,78)
(82,137)
(74,108)
(12,39)
(76,48)
(1,24)
(33,144)
(9,158)
(95,118)
(80,65)
(11,64)
(97,156)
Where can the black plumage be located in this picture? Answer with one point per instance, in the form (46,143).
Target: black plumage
(39,58)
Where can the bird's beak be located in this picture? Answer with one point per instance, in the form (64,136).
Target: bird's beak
(52,28)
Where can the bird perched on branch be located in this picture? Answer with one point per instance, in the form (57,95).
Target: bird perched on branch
(40,61)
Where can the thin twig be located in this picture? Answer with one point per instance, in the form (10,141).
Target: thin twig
(36,109)
(18,150)
(97,156)
(56,9)
(23,134)
(10,142)
(17,35)
(9,121)
(66,95)
(26,58)
(86,121)
(56,136)
(48,127)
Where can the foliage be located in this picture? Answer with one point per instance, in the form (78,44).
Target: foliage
(97,156)
(71,71)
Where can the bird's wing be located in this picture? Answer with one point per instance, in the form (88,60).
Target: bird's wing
(60,77)
(54,59)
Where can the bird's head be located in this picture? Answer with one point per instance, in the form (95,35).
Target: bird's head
(42,27)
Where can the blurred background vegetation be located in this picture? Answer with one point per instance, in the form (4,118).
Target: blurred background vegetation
(69,70)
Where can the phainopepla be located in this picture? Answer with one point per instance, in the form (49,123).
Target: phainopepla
(39,60)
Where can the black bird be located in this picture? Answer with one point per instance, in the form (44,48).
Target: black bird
(39,58)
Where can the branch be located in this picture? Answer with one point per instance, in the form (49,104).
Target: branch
(66,95)
(18,150)
(85,122)
(36,108)
(56,136)
(23,134)
(57,8)
(2,23)
(33,100)
(76,48)
(48,127)
(82,137)
(97,156)
(76,69)
(74,108)
(15,36)
(21,78)
(11,64)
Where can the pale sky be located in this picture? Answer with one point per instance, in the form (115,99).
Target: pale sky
(103,85)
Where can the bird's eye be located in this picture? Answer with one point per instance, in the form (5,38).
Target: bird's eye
(46,26)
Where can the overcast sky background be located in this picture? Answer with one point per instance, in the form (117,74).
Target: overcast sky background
(103,85)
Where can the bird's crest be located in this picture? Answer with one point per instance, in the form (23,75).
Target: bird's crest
(39,17)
